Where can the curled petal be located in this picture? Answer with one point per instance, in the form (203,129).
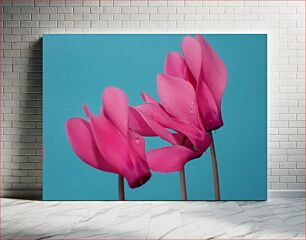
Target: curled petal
(126,155)
(138,124)
(109,140)
(178,98)
(138,173)
(170,159)
(209,111)
(156,120)
(148,99)
(213,70)
(115,108)
(193,55)
(199,138)
(174,65)
(83,144)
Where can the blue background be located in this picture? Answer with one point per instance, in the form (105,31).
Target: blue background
(76,69)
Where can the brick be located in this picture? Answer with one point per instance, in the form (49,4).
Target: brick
(57,17)
(130,24)
(21,31)
(129,10)
(63,10)
(296,172)
(28,179)
(74,3)
(112,10)
(157,3)
(161,17)
(11,179)
(26,16)
(288,179)
(96,10)
(73,16)
(23,3)
(11,9)
(91,16)
(91,3)
(81,24)
(186,9)
(166,10)
(221,24)
(296,186)
(176,17)
(42,3)
(190,17)
(39,17)
(65,24)
(147,9)
(29,10)
(287,165)
(99,24)
(81,9)
(140,17)
(57,3)
(46,24)
(29,24)
(139,3)
(300,179)
(149,24)
(277,186)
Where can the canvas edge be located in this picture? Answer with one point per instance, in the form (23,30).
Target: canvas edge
(37,194)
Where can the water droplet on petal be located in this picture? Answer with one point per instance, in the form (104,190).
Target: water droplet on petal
(192,103)
(137,141)
(192,111)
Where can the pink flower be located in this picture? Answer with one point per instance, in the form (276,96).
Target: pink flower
(177,111)
(205,70)
(105,142)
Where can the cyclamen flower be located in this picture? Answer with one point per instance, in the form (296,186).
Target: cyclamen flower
(205,70)
(105,142)
(177,111)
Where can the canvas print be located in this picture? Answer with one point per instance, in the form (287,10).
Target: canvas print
(155,117)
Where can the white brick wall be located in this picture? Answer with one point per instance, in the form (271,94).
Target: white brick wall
(24,21)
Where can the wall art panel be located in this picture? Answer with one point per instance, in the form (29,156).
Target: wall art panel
(155,117)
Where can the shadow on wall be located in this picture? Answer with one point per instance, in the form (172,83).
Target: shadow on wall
(30,150)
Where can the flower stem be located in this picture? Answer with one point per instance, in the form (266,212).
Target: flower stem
(182,176)
(215,168)
(183,184)
(121,188)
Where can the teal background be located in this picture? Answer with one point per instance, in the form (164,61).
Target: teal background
(76,69)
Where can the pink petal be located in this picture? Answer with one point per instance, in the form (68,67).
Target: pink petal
(199,138)
(109,140)
(209,111)
(138,173)
(83,144)
(213,70)
(148,99)
(170,159)
(178,98)
(193,56)
(126,154)
(138,124)
(138,143)
(115,108)
(174,65)
(159,122)
(154,117)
